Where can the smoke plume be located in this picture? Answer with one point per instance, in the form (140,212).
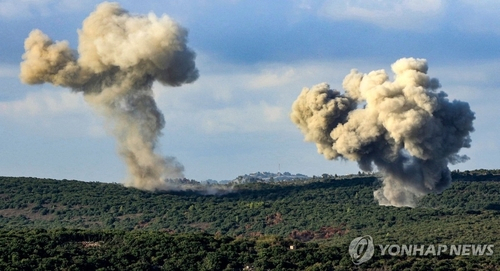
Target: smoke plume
(405,127)
(119,57)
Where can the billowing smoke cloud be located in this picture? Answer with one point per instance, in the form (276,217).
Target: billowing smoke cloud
(405,127)
(119,56)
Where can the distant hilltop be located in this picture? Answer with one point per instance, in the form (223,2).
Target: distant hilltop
(268,177)
(282,177)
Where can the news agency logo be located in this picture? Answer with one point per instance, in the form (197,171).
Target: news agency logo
(361,249)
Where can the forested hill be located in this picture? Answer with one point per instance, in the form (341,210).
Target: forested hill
(249,209)
(254,224)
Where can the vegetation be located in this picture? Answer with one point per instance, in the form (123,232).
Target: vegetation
(71,225)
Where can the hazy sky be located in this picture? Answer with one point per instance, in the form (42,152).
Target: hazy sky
(254,58)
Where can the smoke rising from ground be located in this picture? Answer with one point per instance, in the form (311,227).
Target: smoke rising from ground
(119,57)
(405,127)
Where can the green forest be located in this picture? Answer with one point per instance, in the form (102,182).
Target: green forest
(308,224)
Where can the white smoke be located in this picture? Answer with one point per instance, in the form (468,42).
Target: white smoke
(119,57)
(407,129)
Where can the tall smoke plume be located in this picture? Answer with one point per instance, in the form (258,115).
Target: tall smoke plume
(119,57)
(405,127)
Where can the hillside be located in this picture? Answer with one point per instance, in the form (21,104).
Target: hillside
(326,211)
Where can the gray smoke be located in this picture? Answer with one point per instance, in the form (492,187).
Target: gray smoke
(119,57)
(405,127)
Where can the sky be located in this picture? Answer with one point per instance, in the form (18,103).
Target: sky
(254,58)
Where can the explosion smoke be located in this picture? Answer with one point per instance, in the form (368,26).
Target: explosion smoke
(119,57)
(407,129)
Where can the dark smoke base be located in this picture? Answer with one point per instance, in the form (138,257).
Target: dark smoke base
(191,186)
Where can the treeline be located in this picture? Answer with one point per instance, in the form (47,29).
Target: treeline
(66,249)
